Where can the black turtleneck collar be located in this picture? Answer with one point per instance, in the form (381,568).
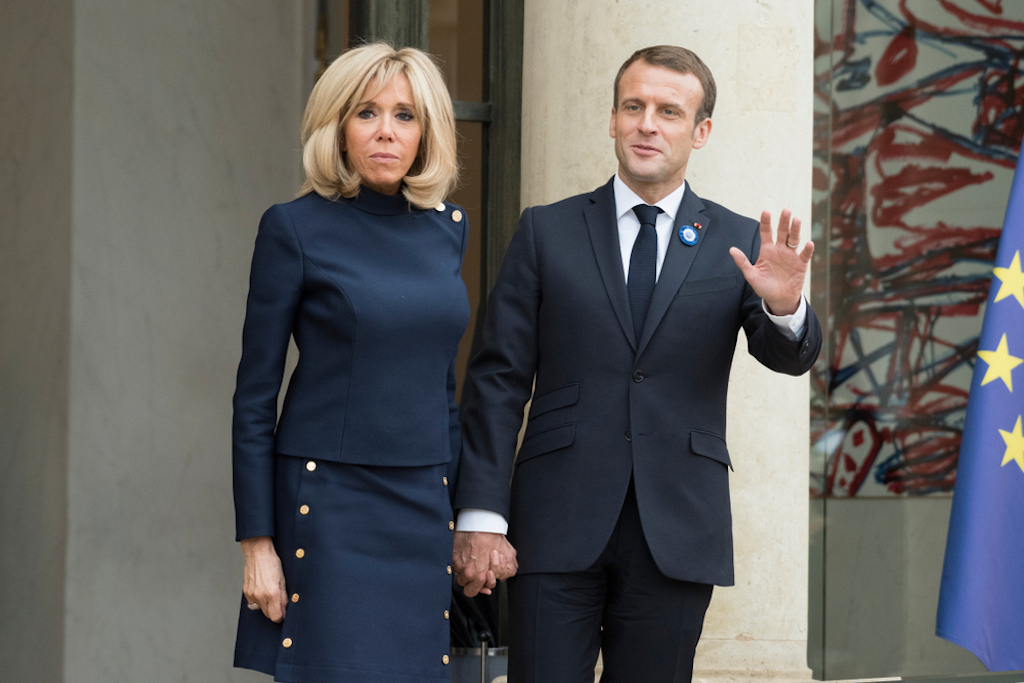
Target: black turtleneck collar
(371,201)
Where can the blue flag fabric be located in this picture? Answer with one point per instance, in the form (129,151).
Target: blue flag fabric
(981,599)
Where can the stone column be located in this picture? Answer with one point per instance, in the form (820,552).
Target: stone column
(185,130)
(35,299)
(758,157)
(139,144)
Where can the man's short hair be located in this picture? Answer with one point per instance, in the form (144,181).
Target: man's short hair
(677,59)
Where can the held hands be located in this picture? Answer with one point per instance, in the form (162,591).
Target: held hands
(481,559)
(264,577)
(778,276)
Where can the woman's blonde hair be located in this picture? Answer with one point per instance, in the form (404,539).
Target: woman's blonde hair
(434,173)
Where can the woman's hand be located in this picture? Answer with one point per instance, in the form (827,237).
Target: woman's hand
(264,577)
(481,559)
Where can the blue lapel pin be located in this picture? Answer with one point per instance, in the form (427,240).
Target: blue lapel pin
(688,235)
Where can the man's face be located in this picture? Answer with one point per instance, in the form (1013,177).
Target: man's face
(653,128)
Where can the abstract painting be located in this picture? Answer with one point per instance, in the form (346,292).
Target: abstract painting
(917,132)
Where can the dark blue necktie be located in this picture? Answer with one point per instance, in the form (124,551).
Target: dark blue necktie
(643,266)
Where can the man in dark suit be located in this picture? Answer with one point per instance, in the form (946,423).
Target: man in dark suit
(618,312)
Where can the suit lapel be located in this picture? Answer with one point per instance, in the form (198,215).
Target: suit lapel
(604,237)
(678,260)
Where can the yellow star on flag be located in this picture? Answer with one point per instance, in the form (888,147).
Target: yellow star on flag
(1000,364)
(1012,281)
(1014,445)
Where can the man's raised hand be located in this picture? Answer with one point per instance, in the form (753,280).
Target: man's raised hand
(778,276)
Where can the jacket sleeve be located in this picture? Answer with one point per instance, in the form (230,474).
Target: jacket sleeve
(764,340)
(454,426)
(454,430)
(275,287)
(500,378)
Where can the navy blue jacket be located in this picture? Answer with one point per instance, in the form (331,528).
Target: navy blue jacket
(372,292)
(606,408)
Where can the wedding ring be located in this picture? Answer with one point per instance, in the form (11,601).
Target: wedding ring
(792,246)
(253,606)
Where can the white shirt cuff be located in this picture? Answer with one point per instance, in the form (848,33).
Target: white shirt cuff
(791,326)
(471,519)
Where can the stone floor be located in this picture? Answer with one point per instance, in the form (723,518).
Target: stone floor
(760,678)
(730,678)
(709,677)
(739,679)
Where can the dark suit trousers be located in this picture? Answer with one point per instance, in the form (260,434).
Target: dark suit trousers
(646,624)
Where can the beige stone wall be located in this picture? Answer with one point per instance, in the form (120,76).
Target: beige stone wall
(139,144)
(186,117)
(758,157)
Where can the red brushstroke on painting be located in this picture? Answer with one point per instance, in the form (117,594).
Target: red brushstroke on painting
(902,281)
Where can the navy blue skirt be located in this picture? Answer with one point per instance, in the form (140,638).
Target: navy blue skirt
(366,554)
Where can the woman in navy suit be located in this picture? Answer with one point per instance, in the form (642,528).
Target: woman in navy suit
(342,503)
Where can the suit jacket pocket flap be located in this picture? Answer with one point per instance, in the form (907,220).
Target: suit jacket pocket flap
(546,441)
(715,284)
(710,446)
(554,399)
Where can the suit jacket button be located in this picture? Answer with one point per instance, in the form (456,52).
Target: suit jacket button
(638,376)
(629,435)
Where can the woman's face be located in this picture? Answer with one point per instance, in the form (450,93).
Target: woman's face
(382,136)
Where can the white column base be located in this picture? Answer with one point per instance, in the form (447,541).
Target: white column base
(788,677)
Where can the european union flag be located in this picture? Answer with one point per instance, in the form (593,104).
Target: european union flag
(981,600)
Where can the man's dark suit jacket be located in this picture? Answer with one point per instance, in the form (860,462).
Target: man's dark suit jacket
(606,407)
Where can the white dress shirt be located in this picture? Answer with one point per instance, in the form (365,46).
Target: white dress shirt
(792,326)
